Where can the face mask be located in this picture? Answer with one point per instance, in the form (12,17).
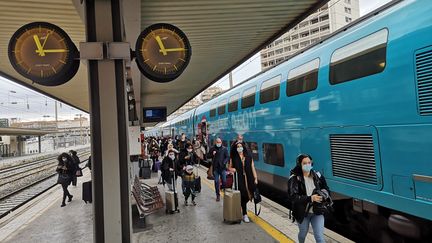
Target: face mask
(189,150)
(306,167)
(169,141)
(218,145)
(239,150)
(64,159)
(240,141)
(172,157)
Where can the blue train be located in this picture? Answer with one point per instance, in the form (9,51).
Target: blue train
(360,102)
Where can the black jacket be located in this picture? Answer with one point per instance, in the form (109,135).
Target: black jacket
(297,191)
(220,159)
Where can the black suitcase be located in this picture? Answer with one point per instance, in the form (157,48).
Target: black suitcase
(87,192)
(145,173)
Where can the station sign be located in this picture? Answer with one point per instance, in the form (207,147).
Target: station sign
(154,114)
(43,53)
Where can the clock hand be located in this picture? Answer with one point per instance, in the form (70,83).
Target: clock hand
(161,46)
(46,38)
(53,50)
(39,46)
(173,49)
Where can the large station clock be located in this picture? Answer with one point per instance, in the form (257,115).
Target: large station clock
(43,53)
(162,52)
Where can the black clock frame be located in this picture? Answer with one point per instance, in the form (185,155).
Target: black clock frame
(64,74)
(145,69)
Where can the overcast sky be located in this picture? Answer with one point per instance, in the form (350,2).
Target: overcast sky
(17,101)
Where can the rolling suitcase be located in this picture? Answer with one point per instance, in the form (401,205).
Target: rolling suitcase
(172,199)
(87,191)
(232,204)
(228,182)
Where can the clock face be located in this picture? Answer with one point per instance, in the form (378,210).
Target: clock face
(43,53)
(162,52)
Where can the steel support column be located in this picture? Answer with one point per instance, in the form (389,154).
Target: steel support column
(40,144)
(110,171)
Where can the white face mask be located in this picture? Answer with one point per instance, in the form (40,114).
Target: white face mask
(172,157)
(239,150)
(189,150)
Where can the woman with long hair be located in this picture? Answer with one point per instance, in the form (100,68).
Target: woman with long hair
(65,170)
(243,164)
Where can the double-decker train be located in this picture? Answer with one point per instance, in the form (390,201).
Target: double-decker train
(359,102)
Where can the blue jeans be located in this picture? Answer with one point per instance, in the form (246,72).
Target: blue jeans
(216,175)
(317,222)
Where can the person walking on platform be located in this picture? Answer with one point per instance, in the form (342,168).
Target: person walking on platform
(302,191)
(188,157)
(243,164)
(219,155)
(65,170)
(168,167)
(188,184)
(181,144)
(171,148)
(76,162)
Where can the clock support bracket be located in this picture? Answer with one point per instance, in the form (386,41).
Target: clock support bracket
(105,50)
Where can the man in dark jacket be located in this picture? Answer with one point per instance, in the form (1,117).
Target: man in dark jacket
(220,157)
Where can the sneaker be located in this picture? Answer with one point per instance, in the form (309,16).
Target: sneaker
(217,198)
(246,219)
(70,198)
(63,204)
(186,203)
(194,203)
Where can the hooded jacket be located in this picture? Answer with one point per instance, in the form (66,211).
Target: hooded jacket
(297,191)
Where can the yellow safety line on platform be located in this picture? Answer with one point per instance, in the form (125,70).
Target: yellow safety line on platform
(272,231)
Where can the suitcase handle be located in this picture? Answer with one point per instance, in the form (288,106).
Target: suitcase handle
(236,181)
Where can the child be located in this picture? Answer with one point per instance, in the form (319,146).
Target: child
(188,184)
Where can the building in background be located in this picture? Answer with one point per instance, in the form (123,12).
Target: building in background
(329,18)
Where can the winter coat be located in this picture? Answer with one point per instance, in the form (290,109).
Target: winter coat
(297,191)
(220,159)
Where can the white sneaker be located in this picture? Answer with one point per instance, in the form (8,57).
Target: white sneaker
(246,219)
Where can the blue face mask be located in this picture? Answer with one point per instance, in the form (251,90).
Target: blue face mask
(306,168)
(218,145)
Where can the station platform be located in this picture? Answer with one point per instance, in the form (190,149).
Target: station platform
(43,220)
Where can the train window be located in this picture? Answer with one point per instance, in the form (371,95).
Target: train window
(253,147)
(273,154)
(213,110)
(233,102)
(221,109)
(270,89)
(361,58)
(303,78)
(248,98)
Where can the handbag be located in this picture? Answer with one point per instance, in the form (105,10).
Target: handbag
(79,173)
(210,173)
(63,178)
(257,199)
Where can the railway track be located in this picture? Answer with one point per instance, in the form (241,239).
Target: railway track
(15,199)
(16,173)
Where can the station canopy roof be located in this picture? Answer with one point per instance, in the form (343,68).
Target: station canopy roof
(222,33)
(11,131)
